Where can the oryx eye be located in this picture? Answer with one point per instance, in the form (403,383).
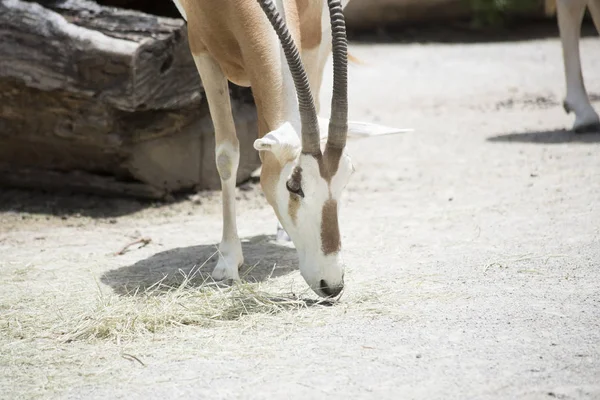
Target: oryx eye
(294,187)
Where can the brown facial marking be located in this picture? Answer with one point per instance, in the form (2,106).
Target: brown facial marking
(294,202)
(329,162)
(330,231)
(293,206)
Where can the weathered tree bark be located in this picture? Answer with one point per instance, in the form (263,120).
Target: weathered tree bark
(109,92)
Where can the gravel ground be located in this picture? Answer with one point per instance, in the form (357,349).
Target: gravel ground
(473,247)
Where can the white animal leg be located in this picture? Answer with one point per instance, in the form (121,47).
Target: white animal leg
(227,155)
(570,14)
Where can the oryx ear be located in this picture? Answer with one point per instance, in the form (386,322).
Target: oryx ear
(283,143)
(366,129)
(357,130)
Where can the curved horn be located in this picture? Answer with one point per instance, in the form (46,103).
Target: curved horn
(308,114)
(338,122)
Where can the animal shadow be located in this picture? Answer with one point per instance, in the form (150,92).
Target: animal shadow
(547,137)
(263,258)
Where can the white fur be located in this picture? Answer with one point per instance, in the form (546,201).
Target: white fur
(306,231)
(279,141)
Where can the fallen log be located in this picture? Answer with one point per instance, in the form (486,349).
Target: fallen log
(111,94)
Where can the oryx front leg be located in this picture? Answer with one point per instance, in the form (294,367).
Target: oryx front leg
(570,14)
(227,155)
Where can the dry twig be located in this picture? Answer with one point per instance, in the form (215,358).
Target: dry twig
(143,241)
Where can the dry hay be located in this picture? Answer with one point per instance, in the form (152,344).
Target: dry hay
(159,307)
(48,330)
(78,312)
(124,317)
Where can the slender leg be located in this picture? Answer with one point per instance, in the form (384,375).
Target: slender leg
(227,155)
(570,14)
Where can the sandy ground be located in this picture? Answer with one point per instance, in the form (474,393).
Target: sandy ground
(473,247)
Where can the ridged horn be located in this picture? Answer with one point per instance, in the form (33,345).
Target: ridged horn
(338,122)
(308,113)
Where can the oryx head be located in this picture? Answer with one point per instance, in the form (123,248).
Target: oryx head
(302,183)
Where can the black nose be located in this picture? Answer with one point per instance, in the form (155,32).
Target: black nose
(330,291)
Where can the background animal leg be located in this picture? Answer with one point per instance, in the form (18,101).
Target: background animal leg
(570,14)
